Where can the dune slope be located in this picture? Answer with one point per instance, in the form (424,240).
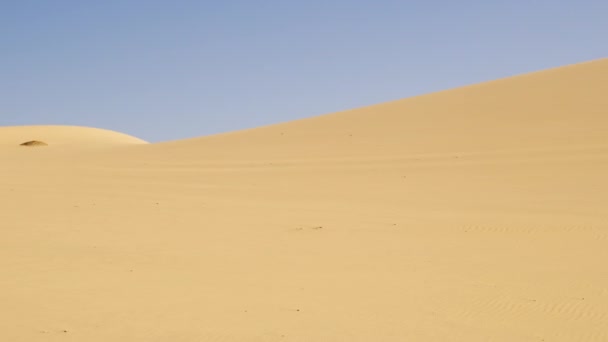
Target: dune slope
(475,214)
(559,107)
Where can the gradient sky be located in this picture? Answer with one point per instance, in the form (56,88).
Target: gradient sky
(165,70)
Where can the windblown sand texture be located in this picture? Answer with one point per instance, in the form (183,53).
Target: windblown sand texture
(475,214)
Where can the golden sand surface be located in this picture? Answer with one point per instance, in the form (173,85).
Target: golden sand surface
(474,214)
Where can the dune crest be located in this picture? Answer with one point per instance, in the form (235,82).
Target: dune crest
(557,107)
(63,135)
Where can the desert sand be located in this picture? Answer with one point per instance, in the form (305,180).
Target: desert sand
(474,214)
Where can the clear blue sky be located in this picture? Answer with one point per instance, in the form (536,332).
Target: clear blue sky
(165,70)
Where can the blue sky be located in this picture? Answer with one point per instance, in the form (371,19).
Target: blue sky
(165,70)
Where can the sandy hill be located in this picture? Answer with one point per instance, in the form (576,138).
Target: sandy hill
(475,214)
(560,107)
(63,135)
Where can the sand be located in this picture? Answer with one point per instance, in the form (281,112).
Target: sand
(64,136)
(475,214)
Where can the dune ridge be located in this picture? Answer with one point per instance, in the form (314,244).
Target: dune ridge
(474,214)
(63,135)
(481,116)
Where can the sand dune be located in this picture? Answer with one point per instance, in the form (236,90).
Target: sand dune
(63,135)
(475,214)
(563,107)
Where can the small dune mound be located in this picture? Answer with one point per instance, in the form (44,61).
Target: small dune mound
(64,136)
(34,143)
